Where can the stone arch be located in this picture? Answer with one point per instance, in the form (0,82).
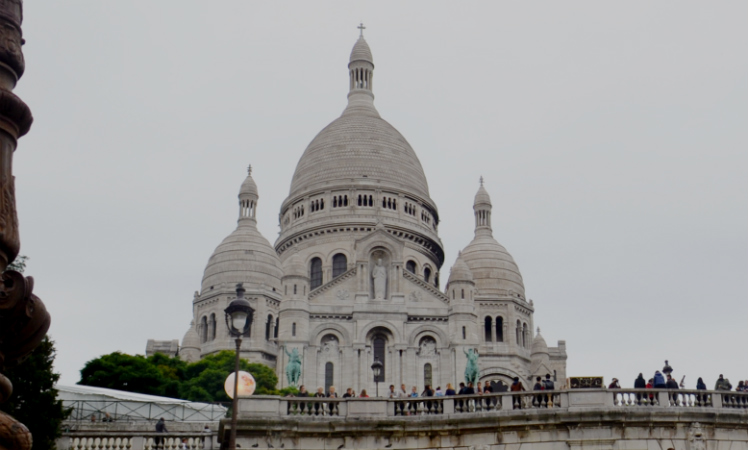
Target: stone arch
(380,325)
(442,341)
(501,373)
(385,243)
(330,328)
(328,258)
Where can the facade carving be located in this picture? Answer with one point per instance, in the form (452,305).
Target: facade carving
(355,272)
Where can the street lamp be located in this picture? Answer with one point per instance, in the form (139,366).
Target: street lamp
(377,369)
(239,315)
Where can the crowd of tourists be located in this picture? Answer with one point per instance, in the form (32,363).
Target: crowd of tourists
(661,381)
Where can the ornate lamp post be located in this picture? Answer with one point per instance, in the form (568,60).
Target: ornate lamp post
(239,315)
(377,369)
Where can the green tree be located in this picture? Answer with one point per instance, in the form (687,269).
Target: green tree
(201,381)
(125,373)
(34,401)
(18,264)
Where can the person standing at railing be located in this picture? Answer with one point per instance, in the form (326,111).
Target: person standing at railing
(650,385)
(614,384)
(639,383)
(428,392)
(672,385)
(723,384)
(659,380)
(548,385)
(701,386)
(402,394)
(332,394)
(517,399)
(440,393)
(538,399)
(158,441)
(319,394)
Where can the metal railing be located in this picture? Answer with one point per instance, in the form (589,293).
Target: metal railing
(130,411)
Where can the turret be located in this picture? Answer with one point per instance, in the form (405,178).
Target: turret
(461,291)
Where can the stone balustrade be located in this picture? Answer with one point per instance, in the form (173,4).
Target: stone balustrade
(142,441)
(338,408)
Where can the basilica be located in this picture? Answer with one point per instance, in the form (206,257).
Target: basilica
(355,274)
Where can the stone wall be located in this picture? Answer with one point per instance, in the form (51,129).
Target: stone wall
(568,420)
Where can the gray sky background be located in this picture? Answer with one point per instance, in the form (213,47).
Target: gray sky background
(612,138)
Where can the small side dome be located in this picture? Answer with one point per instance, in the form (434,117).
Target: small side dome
(361,52)
(539,345)
(190,348)
(294,266)
(460,272)
(245,256)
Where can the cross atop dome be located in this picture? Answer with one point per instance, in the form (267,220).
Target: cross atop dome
(361,28)
(249,169)
(481,180)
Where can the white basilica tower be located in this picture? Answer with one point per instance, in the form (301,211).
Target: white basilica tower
(354,274)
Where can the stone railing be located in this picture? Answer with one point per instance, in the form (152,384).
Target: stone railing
(141,441)
(509,402)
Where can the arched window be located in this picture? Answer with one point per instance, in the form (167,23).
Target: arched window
(315,273)
(204,330)
(427,275)
(339,265)
(464,333)
(410,266)
(379,342)
(487,329)
(268,327)
(212,327)
(294,289)
(329,375)
(427,375)
(293,329)
(462,293)
(277,325)
(524,335)
(453,294)
(519,333)
(499,329)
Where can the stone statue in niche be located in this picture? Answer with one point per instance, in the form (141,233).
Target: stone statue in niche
(428,347)
(330,344)
(379,276)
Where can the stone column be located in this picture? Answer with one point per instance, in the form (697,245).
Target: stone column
(15,121)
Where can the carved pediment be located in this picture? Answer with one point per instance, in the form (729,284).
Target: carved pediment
(341,287)
(420,291)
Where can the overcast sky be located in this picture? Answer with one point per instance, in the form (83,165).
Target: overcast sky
(612,138)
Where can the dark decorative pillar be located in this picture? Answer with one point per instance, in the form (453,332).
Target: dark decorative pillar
(24,320)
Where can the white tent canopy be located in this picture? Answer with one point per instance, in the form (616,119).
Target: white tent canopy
(130,406)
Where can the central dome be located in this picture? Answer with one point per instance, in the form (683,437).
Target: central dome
(359,145)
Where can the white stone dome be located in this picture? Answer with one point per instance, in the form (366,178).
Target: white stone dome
(539,345)
(361,51)
(249,187)
(494,270)
(360,146)
(460,272)
(245,256)
(191,339)
(294,266)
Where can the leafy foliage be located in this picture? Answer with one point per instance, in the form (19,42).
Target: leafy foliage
(18,264)
(34,401)
(201,381)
